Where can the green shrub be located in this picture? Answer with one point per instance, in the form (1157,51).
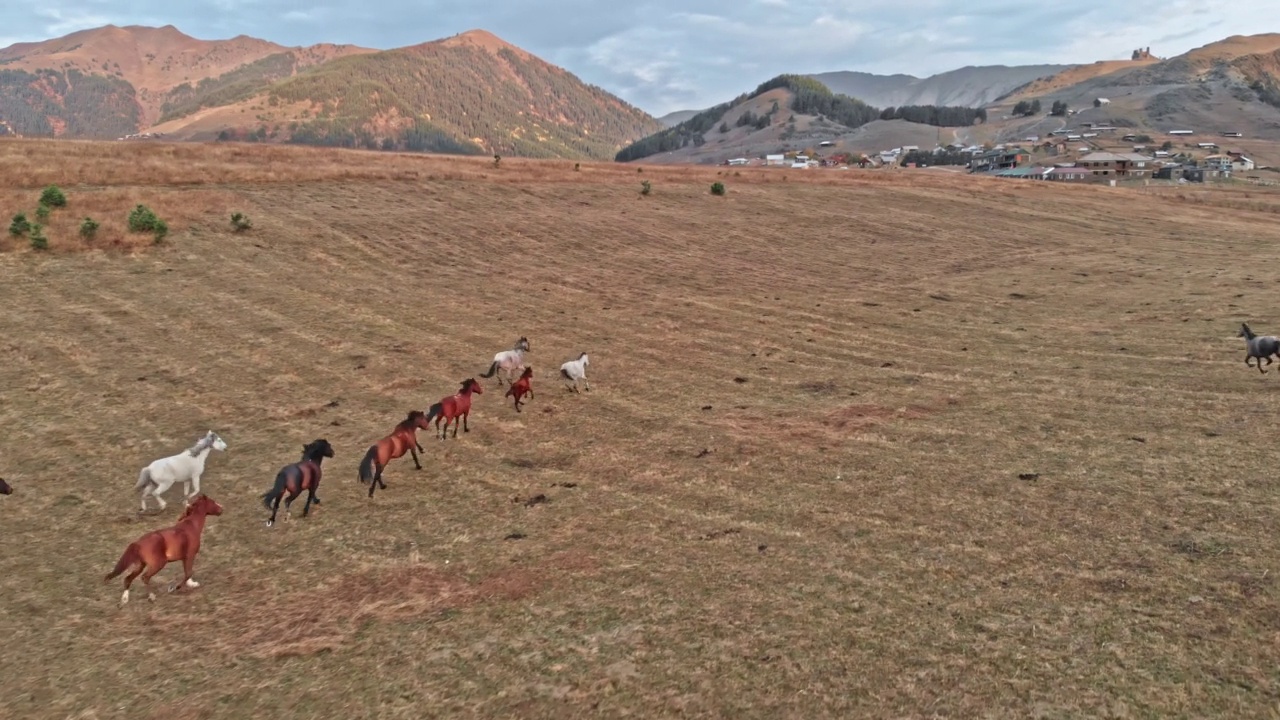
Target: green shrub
(497,160)
(240,223)
(38,240)
(53,197)
(645,187)
(20,225)
(88,228)
(143,219)
(577,167)
(717,188)
(42,213)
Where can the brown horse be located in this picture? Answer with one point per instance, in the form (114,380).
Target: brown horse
(404,438)
(299,476)
(522,387)
(5,489)
(154,550)
(454,407)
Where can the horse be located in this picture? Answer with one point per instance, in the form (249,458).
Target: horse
(403,438)
(186,466)
(296,477)
(5,488)
(1261,347)
(508,361)
(576,370)
(454,407)
(521,387)
(152,551)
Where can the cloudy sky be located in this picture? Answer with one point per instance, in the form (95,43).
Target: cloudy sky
(665,55)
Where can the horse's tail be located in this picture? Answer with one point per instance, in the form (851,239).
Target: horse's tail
(129,557)
(434,410)
(366,465)
(275,490)
(493,368)
(565,374)
(144,478)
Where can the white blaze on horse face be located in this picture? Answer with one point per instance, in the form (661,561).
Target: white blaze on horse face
(219,443)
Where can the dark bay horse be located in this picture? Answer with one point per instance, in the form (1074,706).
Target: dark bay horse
(522,387)
(1260,347)
(296,477)
(154,550)
(455,408)
(404,438)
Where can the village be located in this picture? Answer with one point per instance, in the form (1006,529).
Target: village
(1091,152)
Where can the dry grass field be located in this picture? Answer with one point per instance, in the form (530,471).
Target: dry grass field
(900,445)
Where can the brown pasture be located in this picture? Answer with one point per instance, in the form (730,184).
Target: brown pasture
(859,444)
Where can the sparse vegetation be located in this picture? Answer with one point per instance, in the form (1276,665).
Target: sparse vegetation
(88,228)
(1059,108)
(645,187)
(38,240)
(143,219)
(1027,108)
(42,213)
(717,188)
(53,197)
(19,225)
(240,223)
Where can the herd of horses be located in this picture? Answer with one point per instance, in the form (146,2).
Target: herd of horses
(151,552)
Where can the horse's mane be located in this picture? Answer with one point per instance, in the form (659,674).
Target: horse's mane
(200,445)
(408,421)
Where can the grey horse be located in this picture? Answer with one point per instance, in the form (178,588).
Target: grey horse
(1261,347)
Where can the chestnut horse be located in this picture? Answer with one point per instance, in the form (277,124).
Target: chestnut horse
(457,405)
(296,477)
(4,488)
(154,550)
(522,387)
(404,438)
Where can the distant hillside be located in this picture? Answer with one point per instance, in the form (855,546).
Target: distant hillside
(965,87)
(153,67)
(672,119)
(1228,86)
(792,112)
(469,93)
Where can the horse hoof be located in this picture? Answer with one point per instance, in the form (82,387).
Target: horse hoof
(269,523)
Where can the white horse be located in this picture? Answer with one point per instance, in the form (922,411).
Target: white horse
(576,370)
(186,467)
(508,361)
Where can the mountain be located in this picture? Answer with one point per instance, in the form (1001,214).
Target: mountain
(469,93)
(965,87)
(797,112)
(675,118)
(1232,85)
(109,81)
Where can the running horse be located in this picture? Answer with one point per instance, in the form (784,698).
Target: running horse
(404,438)
(154,550)
(521,387)
(296,477)
(1258,347)
(455,408)
(508,361)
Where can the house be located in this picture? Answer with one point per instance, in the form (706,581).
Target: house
(1068,174)
(1116,164)
(775,159)
(1101,101)
(1130,138)
(1168,172)
(1031,138)
(1182,132)
(1240,163)
(910,148)
(1232,133)
(1089,135)
(1207,146)
(825,143)
(736,161)
(994,160)
(1218,163)
(799,166)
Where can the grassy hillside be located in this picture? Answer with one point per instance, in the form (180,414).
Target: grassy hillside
(771,504)
(67,103)
(474,89)
(965,87)
(786,112)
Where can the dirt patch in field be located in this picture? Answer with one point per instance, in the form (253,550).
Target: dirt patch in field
(306,623)
(820,429)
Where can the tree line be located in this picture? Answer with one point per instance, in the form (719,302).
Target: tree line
(808,97)
(90,106)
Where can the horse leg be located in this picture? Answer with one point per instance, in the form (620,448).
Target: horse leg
(293,495)
(187,563)
(416,464)
(465,426)
(377,479)
(311,496)
(275,508)
(195,486)
(128,580)
(146,579)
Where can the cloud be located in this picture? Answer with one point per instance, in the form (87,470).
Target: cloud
(664,55)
